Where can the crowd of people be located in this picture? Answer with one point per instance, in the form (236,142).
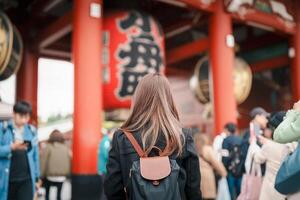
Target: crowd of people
(25,167)
(254,158)
(151,156)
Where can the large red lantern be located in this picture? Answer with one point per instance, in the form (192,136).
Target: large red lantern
(133,45)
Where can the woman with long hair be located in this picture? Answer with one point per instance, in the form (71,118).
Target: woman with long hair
(154,123)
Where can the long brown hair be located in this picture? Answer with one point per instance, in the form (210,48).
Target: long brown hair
(153,112)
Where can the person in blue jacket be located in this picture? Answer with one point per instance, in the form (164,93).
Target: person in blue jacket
(19,155)
(103,150)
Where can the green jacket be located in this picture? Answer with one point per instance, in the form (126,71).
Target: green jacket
(289,130)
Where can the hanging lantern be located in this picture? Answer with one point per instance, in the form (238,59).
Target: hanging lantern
(133,46)
(11,48)
(242,80)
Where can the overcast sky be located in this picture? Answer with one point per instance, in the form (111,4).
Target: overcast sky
(55,88)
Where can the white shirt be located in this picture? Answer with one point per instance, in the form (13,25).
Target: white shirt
(217,144)
(56,178)
(18,133)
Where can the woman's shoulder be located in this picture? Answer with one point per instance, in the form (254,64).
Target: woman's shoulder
(187,132)
(118,132)
(120,139)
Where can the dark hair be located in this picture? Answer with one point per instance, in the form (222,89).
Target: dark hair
(56,136)
(231,127)
(23,108)
(276,119)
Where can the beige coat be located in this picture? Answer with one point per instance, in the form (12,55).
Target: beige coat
(209,163)
(55,160)
(272,154)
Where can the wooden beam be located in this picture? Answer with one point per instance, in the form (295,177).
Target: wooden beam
(52,4)
(61,46)
(38,7)
(210,7)
(179,27)
(52,53)
(187,51)
(252,17)
(194,4)
(295,67)
(184,25)
(42,6)
(54,57)
(177,71)
(55,31)
(266,21)
(270,63)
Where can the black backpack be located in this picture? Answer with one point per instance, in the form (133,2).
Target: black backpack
(236,162)
(152,177)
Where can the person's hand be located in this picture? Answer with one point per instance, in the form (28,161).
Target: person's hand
(18,146)
(297,106)
(38,184)
(262,139)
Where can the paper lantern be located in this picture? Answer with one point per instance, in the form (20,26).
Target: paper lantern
(133,46)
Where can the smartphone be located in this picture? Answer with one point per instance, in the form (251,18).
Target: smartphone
(256,129)
(27,143)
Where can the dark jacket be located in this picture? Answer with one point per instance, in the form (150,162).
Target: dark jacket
(245,143)
(229,144)
(122,155)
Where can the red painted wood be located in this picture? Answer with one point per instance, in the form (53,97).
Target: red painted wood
(296,60)
(222,59)
(270,64)
(187,51)
(199,5)
(87,49)
(27,82)
(269,20)
(55,31)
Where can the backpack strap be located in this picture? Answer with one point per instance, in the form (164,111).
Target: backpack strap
(135,144)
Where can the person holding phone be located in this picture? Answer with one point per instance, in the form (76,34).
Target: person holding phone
(19,155)
(259,121)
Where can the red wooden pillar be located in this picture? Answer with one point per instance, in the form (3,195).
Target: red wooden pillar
(222,59)
(295,70)
(27,81)
(87,39)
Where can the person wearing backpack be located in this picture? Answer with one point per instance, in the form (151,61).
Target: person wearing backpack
(19,156)
(232,160)
(152,156)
